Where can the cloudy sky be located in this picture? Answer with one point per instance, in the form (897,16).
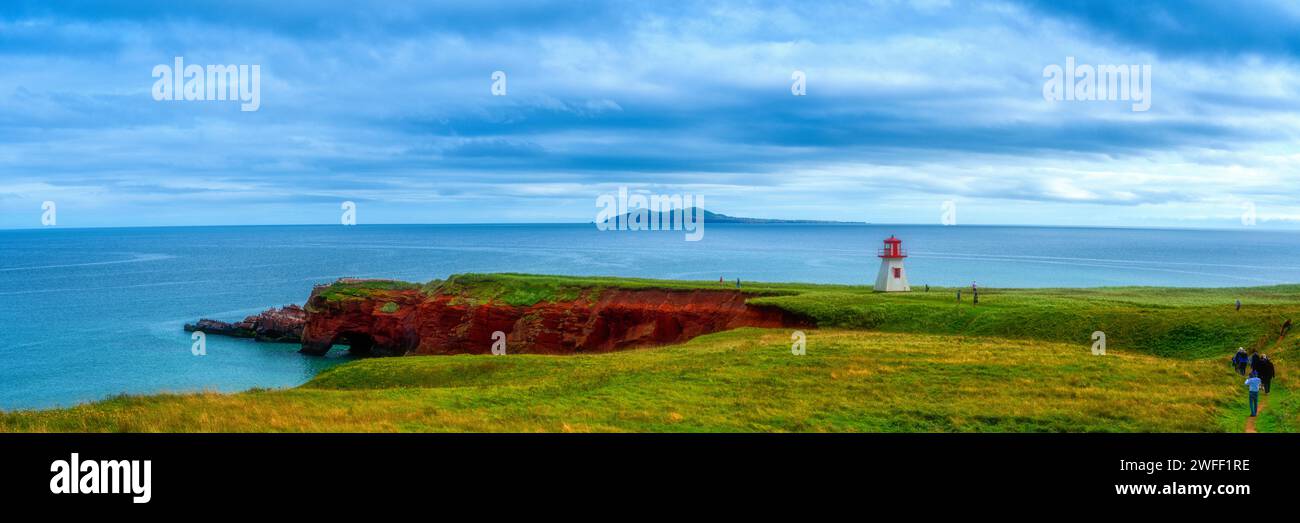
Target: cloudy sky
(907,105)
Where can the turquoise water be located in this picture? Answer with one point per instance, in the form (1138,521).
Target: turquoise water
(88,313)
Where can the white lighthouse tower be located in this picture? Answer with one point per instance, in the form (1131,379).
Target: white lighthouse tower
(892,277)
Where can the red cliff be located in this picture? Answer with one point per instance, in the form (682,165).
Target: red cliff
(408,319)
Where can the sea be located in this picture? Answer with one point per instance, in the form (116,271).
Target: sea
(86,314)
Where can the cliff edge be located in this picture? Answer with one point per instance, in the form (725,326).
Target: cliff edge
(536,315)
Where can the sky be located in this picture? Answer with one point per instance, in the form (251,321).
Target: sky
(909,110)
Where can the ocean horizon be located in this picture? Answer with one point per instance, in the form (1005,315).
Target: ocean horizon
(1264,227)
(99,311)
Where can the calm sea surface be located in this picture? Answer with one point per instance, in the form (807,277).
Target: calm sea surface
(88,313)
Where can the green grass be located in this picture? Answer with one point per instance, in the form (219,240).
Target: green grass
(919,361)
(1282,409)
(745,380)
(1165,322)
(529,289)
(365,289)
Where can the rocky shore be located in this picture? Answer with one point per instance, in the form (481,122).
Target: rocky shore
(283,325)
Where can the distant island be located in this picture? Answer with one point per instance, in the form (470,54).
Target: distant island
(713,217)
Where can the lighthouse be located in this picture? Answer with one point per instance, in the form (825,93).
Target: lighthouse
(892,277)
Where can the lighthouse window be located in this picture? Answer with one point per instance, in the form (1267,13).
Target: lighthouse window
(898,272)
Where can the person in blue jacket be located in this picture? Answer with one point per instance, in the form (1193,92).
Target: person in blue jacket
(1240,360)
(1252,384)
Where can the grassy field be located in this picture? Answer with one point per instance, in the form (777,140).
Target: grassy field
(1020,361)
(1179,323)
(745,380)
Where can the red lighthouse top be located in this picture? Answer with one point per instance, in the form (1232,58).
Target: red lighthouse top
(892,248)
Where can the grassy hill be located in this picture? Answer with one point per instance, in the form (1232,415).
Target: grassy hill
(1179,323)
(1020,361)
(745,380)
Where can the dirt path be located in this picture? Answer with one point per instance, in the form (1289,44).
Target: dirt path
(1263,398)
(1250,421)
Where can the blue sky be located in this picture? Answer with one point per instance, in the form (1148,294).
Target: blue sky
(908,105)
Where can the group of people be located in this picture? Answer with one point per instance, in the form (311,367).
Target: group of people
(1261,374)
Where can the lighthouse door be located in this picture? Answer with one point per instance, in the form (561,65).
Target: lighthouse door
(898,272)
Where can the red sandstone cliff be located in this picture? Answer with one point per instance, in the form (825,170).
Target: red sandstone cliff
(398,322)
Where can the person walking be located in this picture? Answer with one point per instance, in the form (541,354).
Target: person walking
(1286,327)
(976,296)
(959,295)
(737,283)
(1240,361)
(1265,370)
(1238,304)
(1254,359)
(1252,383)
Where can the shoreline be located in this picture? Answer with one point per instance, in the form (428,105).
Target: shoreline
(1186,328)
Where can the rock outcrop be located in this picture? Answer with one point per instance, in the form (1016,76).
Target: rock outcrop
(276,325)
(400,321)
